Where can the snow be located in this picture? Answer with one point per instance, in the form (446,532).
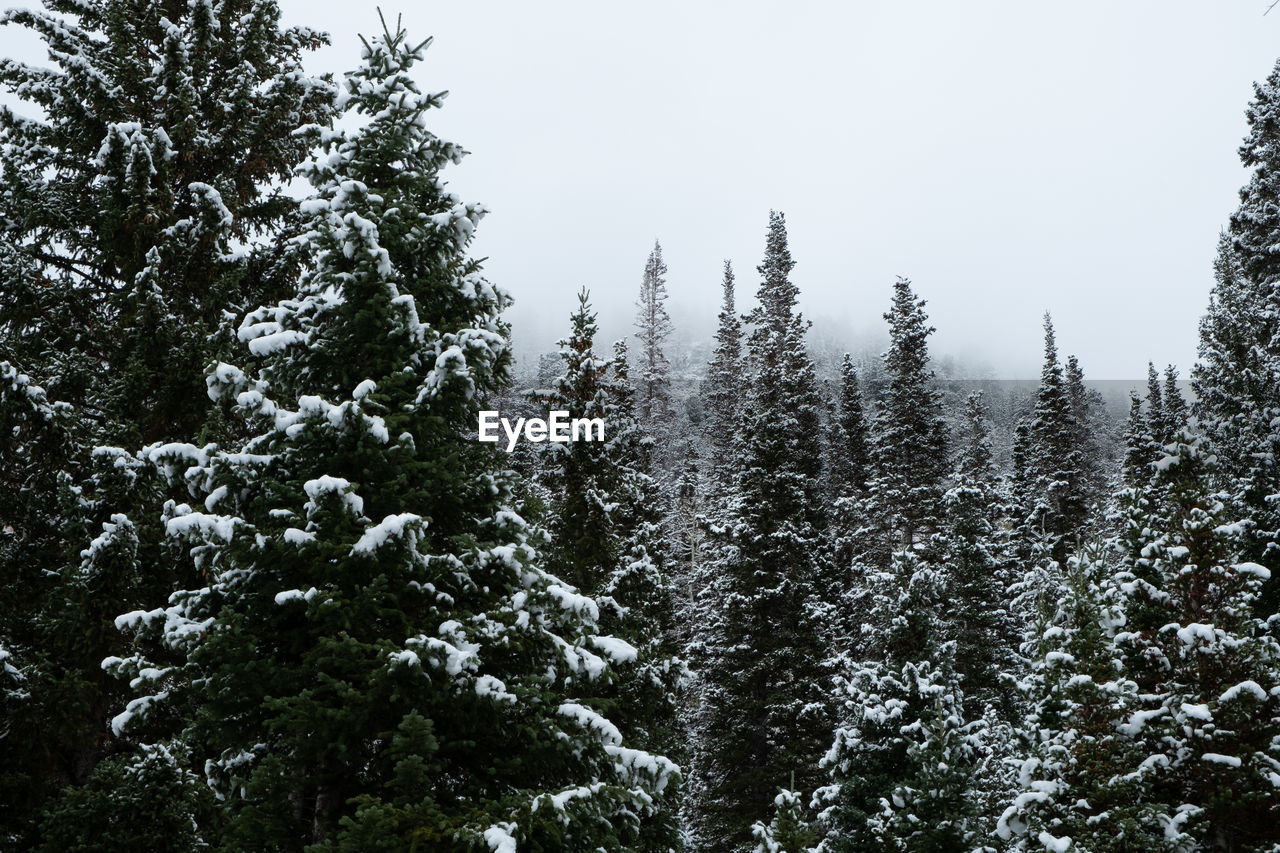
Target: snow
(500,839)
(364,389)
(206,525)
(592,721)
(1251,687)
(296,595)
(393,526)
(332,485)
(1260,572)
(619,651)
(1138,721)
(1054,845)
(1197,712)
(574,602)
(1188,634)
(494,688)
(1217,758)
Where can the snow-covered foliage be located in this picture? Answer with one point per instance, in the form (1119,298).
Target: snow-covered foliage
(402,645)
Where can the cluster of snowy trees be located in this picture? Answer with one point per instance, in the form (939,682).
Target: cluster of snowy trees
(264,589)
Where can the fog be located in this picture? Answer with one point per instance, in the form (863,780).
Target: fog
(1008,157)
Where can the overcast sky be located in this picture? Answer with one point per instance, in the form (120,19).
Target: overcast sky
(1008,157)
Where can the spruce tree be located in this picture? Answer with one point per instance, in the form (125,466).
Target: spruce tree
(1156,420)
(1055,460)
(763,703)
(653,327)
(788,831)
(605,538)
(141,191)
(378,660)
(904,756)
(910,434)
(1141,449)
(725,385)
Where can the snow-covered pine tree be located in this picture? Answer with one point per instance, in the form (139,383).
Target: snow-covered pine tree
(653,327)
(1055,461)
(146,211)
(378,659)
(1176,410)
(1160,690)
(604,532)
(139,191)
(1207,671)
(1082,784)
(725,386)
(969,545)
(1141,449)
(1088,413)
(788,831)
(1235,378)
(1155,406)
(850,453)
(904,754)
(763,711)
(909,432)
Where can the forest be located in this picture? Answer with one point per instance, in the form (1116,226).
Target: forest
(263,587)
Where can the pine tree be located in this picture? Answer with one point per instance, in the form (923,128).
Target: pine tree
(1154,731)
(1237,392)
(355,683)
(851,450)
(605,539)
(142,206)
(763,703)
(1141,449)
(1156,420)
(788,831)
(1175,404)
(725,386)
(902,760)
(1088,414)
(653,325)
(1199,657)
(1083,784)
(1055,460)
(910,435)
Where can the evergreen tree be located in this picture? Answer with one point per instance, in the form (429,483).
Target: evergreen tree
(653,325)
(910,435)
(1141,449)
(1199,657)
(1087,414)
(850,438)
(1055,461)
(362,684)
(1156,420)
(1175,404)
(1083,784)
(903,759)
(788,831)
(725,386)
(141,201)
(1235,377)
(605,539)
(763,704)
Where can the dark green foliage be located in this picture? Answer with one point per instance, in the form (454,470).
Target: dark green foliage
(910,435)
(346,682)
(763,703)
(139,203)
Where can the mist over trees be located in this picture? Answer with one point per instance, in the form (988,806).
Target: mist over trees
(264,589)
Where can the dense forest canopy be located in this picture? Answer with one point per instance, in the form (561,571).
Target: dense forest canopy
(264,588)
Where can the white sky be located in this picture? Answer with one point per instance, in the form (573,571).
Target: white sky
(1009,157)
